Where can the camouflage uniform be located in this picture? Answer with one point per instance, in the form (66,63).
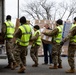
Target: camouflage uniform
(56,49)
(71,48)
(9,50)
(34,50)
(56,52)
(20,51)
(34,53)
(9,46)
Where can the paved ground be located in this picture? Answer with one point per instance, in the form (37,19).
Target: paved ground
(41,70)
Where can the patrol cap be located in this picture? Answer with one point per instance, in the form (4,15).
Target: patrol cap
(37,27)
(59,21)
(8,17)
(23,20)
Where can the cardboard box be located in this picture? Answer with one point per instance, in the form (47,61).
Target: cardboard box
(40,51)
(64,50)
(46,39)
(17,24)
(37,21)
(41,23)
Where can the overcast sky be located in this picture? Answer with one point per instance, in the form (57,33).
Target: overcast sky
(11,6)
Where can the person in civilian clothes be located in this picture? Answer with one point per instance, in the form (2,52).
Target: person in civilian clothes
(47,48)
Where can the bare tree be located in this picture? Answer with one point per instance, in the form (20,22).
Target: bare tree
(64,8)
(39,10)
(32,9)
(72,8)
(43,9)
(55,13)
(47,8)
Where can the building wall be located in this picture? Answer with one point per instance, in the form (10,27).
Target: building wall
(1,13)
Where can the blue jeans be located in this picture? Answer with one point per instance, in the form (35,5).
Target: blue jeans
(47,50)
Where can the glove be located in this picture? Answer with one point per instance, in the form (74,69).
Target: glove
(61,43)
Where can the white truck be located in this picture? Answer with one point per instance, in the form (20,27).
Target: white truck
(2,44)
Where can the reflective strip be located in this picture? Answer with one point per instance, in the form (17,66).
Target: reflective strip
(26,31)
(22,41)
(9,34)
(58,38)
(10,26)
(38,41)
(73,39)
(61,27)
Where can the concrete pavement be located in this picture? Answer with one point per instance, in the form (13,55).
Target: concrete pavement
(40,70)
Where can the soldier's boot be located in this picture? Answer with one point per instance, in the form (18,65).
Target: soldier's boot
(53,67)
(60,65)
(70,71)
(22,69)
(14,65)
(11,65)
(35,65)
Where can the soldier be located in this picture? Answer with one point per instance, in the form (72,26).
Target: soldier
(56,49)
(22,35)
(47,49)
(7,32)
(35,46)
(72,47)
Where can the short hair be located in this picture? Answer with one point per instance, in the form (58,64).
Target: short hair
(74,18)
(37,27)
(23,20)
(59,21)
(8,17)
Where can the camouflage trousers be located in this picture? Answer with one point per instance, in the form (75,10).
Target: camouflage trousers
(56,52)
(34,53)
(9,51)
(71,53)
(20,54)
